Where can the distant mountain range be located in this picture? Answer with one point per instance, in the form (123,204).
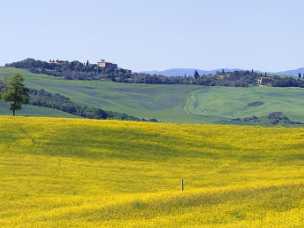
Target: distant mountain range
(190,71)
(293,73)
(187,71)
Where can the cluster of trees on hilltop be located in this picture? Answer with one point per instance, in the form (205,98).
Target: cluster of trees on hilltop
(236,79)
(277,81)
(233,79)
(76,70)
(240,78)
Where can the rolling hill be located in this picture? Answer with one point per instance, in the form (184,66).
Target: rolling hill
(85,173)
(173,103)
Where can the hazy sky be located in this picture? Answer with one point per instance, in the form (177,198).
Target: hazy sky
(157,34)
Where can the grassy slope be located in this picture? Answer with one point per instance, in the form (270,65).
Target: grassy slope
(160,101)
(179,103)
(30,110)
(85,173)
(231,102)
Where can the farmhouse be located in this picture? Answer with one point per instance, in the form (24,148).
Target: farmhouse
(264,81)
(56,61)
(104,64)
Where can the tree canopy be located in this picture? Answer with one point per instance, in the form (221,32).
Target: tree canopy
(15,93)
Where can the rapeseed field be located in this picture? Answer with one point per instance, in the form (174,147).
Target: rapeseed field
(86,173)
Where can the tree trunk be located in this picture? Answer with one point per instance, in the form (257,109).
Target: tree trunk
(14,112)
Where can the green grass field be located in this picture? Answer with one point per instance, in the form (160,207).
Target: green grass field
(83,173)
(30,110)
(173,103)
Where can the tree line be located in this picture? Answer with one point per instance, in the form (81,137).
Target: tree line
(239,78)
(57,101)
(76,70)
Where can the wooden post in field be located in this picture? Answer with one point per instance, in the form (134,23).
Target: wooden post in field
(182,184)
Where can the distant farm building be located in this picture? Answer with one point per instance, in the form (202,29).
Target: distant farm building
(104,64)
(56,61)
(264,81)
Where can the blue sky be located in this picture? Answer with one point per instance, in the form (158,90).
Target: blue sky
(148,35)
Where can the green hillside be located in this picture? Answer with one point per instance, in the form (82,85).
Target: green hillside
(179,103)
(86,173)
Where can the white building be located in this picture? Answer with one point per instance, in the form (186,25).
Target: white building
(102,63)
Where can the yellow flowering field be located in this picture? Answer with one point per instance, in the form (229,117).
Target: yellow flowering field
(87,173)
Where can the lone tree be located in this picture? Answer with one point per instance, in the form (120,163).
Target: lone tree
(15,93)
(196,75)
